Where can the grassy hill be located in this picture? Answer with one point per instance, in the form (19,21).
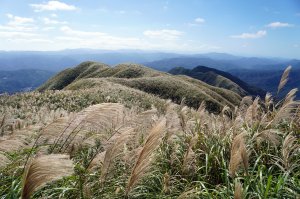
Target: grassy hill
(220,79)
(166,86)
(110,137)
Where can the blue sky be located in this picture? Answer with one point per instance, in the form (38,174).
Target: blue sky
(242,27)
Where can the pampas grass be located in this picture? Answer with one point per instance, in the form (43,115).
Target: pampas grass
(238,154)
(3,160)
(144,158)
(203,155)
(290,148)
(238,191)
(113,151)
(269,135)
(44,169)
(284,78)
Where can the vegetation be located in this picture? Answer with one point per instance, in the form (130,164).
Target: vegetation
(219,78)
(92,74)
(114,141)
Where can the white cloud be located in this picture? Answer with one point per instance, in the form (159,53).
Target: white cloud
(256,35)
(164,34)
(48,21)
(78,33)
(121,12)
(98,39)
(17,23)
(15,20)
(279,25)
(53,15)
(199,20)
(12,35)
(48,28)
(30,40)
(52,6)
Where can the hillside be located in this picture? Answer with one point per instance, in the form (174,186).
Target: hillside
(220,79)
(103,138)
(166,86)
(22,80)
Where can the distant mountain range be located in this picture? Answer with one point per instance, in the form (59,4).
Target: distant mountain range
(269,79)
(30,69)
(59,60)
(22,80)
(224,63)
(220,79)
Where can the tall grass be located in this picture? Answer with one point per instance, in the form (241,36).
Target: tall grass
(170,151)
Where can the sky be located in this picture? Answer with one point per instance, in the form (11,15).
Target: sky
(242,27)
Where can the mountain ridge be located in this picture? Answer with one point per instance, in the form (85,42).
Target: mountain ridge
(139,77)
(219,78)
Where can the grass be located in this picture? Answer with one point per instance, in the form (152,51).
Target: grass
(145,79)
(146,147)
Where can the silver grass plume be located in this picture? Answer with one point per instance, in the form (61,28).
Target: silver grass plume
(284,78)
(144,159)
(44,169)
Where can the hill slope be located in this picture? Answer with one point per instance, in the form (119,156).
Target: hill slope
(219,78)
(94,75)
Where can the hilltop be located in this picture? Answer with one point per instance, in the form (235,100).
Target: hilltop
(89,75)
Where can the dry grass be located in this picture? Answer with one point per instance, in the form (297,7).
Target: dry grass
(238,191)
(284,78)
(270,135)
(239,155)
(144,158)
(290,148)
(114,150)
(44,169)
(165,151)
(3,160)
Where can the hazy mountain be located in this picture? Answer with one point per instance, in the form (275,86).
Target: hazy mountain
(59,60)
(189,63)
(22,80)
(222,62)
(219,78)
(269,79)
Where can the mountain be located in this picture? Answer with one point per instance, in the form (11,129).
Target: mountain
(92,74)
(269,79)
(189,63)
(59,60)
(22,80)
(219,78)
(222,62)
